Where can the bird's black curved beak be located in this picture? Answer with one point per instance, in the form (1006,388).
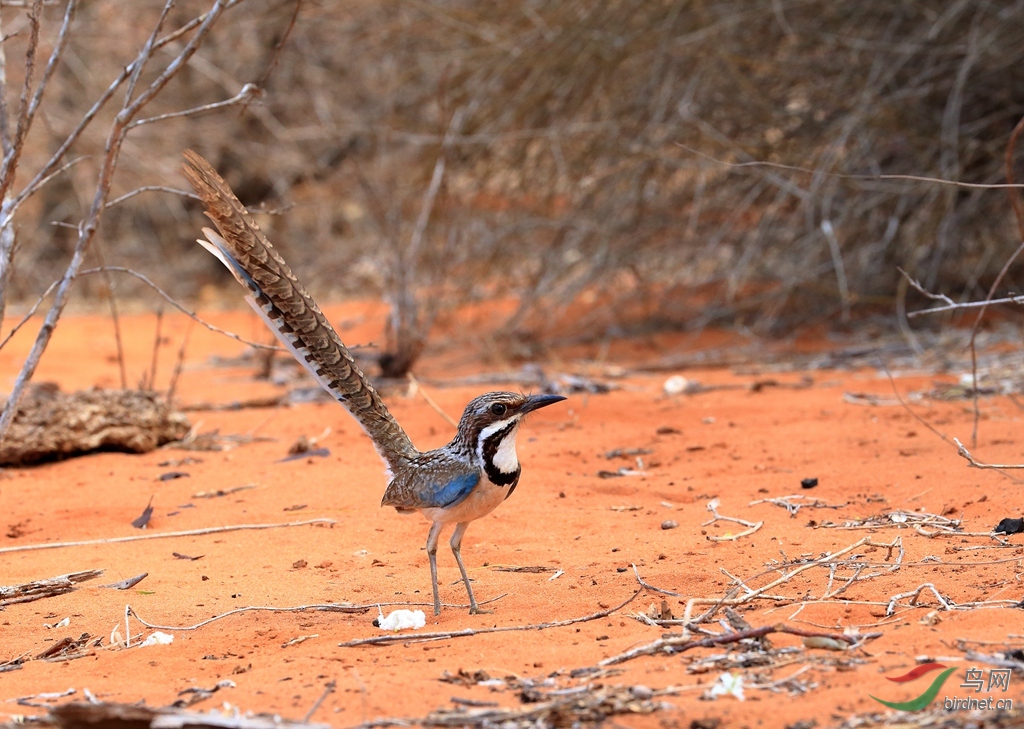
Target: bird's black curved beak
(536,402)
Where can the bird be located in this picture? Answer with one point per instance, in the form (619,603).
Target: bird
(456,484)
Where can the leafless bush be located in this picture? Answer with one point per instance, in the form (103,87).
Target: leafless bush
(597,171)
(594,157)
(136,84)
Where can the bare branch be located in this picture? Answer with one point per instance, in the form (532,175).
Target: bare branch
(45,171)
(679,644)
(145,54)
(180,307)
(947,304)
(88,226)
(144,279)
(162,535)
(422,637)
(650,587)
(13,154)
(841,176)
(248,92)
(151,188)
(962,451)
(51,65)
(12,594)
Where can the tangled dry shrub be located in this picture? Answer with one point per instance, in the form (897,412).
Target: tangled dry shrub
(585,155)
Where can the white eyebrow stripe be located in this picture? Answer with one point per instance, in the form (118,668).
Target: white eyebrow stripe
(495,427)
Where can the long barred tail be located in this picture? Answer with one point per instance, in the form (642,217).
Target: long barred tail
(290,312)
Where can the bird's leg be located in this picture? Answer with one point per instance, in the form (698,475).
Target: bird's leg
(456,543)
(435,532)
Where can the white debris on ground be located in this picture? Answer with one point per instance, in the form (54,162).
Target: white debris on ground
(157,638)
(401,620)
(676,385)
(728,683)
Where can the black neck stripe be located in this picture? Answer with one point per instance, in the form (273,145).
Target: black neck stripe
(490,449)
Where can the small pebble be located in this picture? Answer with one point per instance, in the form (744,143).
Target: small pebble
(641,692)
(808,483)
(675,385)
(669,524)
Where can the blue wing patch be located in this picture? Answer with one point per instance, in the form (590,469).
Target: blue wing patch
(451,493)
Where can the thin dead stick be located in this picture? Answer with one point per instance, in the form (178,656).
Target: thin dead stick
(49,695)
(180,307)
(277,53)
(151,188)
(430,401)
(915,596)
(652,588)
(167,297)
(31,312)
(1018,211)
(421,637)
(12,148)
(248,92)
(760,592)
(751,526)
(899,397)
(786,503)
(947,304)
(151,383)
(330,607)
(974,335)
(328,690)
(842,176)
(962,451)
(680,643)
(163,535)
(12,152)
(994,660)
(946,532)
(954,306)
(326,607)
(108,280)
(179,362)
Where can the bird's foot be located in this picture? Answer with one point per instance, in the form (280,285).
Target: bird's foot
(477,610)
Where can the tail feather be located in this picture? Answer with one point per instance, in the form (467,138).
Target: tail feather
(290,312)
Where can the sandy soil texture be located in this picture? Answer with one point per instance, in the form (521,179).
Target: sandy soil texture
(615,486)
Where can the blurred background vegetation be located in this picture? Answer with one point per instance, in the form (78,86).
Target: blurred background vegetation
(588,160)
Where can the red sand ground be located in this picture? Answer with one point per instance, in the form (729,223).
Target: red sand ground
(735,445)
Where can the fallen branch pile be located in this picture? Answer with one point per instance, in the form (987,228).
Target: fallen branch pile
(37,590)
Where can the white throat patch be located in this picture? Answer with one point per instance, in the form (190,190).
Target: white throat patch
(505,459)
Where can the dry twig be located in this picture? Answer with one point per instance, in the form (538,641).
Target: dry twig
(762,592)
(37,590)
(421,637)
(681,643)
(162,535)
(751,526)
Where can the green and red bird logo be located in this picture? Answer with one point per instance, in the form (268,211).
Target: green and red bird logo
(929,693)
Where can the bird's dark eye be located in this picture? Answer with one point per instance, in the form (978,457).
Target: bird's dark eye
(498,408)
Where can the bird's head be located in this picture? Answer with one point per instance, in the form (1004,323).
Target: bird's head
(489,424)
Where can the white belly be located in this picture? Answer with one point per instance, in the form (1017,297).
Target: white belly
(481,501)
